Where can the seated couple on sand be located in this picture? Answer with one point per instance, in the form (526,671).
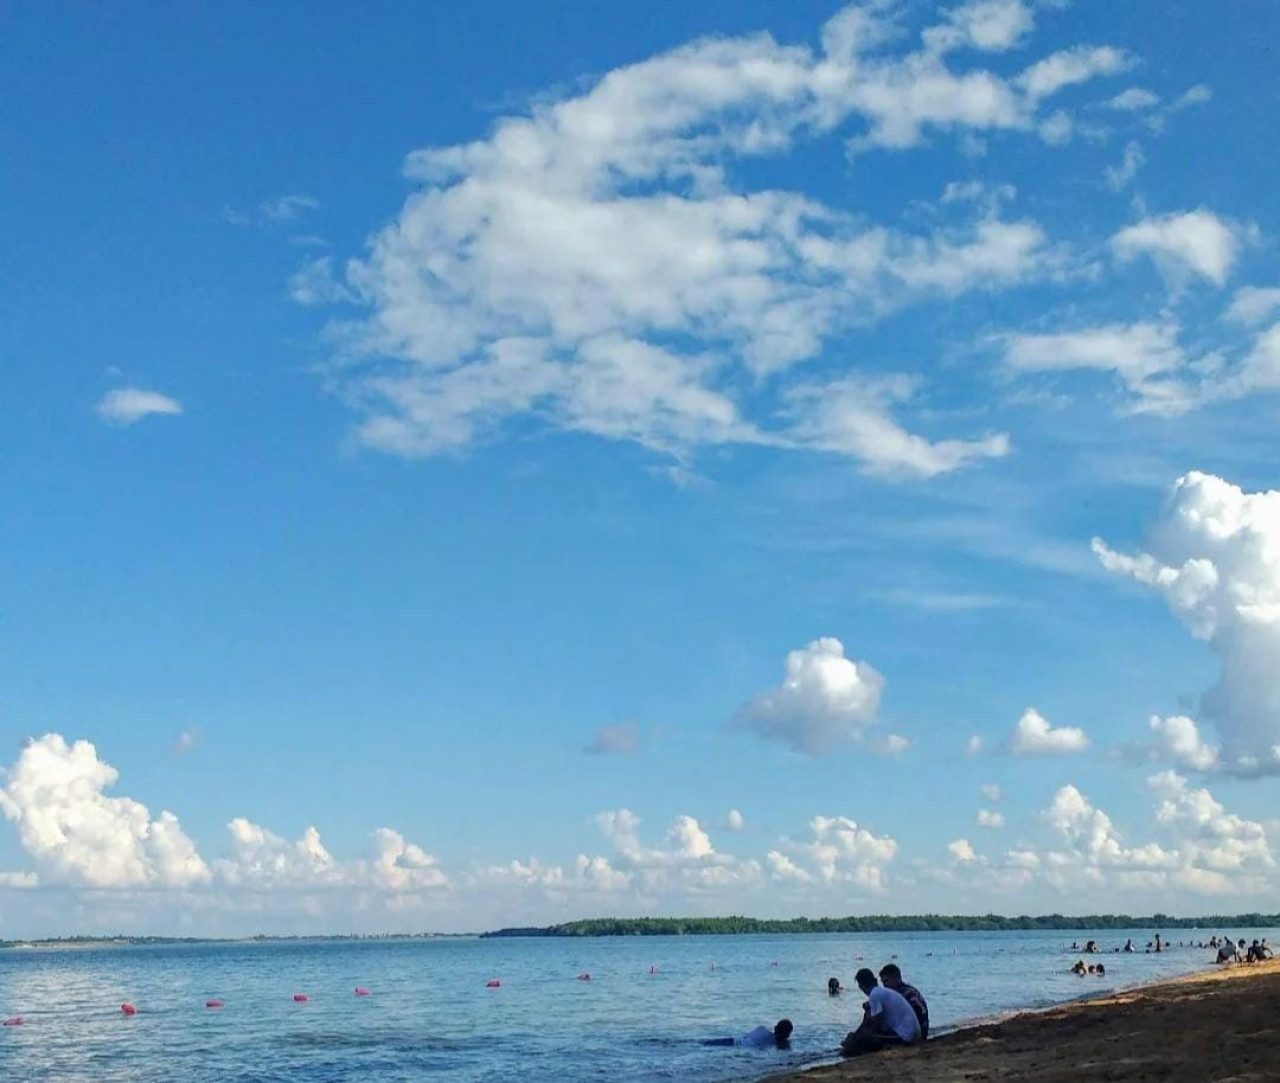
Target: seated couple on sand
(895,1014)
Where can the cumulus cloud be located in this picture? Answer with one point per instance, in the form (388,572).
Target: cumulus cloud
(1196,242)
(1213,559)
(961,850)
(989,818)
(622,739)
(685,858)
(1034,736)
(129,405)
(600,266)
(825,700)
(734,821)
(78,835)
(1178,738)
(842,852)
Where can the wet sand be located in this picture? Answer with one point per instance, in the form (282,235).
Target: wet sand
(1221,1025)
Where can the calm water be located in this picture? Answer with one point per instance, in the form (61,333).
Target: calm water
(430,1015)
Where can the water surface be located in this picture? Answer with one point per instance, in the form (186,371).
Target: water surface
(430,1015)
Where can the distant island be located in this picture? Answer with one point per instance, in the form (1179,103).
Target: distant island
(887,923)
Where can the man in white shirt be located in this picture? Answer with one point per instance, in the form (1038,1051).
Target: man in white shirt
(887,1021)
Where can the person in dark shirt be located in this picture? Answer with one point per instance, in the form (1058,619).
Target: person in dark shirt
(891,978)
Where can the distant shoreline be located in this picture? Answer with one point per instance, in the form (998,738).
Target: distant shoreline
(726,926)
(886,923)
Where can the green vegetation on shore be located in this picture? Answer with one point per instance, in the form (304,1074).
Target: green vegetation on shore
(887,923)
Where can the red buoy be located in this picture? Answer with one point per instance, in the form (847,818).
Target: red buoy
(361,991)
(16,1021)
(493,983)
(128,1009)
(215,1004)
(584,976)
(300,998)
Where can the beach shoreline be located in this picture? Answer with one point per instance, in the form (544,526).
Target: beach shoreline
(1218,1024)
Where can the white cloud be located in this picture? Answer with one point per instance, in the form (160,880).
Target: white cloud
(287,208)
(598,264)
(619,740)
(842,852)
(1210,835)
(685,859)
(734,821)
(127,405)
(1135,99)
(1034,736)
(1071,67)
(1119,176)
(1178,738)
(991,791)
(79,836)
(973,746)
(990,25)
(1092,833)
(961,850)
(783,868)
(894,744)
(989,818)
(1196,95)
(1145,357)
(1253,305)
(1195,241)
(187,740)
(854,420)
(314,283)
(1057,128)
(824,701)
(1213,559)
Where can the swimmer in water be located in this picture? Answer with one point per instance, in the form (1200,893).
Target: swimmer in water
(833,987)
(760,1037)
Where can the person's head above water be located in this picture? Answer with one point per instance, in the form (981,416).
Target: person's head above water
(866,980)
(782,1032)
(891,976)
(833,986)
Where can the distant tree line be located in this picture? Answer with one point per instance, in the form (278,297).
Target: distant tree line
(887,923)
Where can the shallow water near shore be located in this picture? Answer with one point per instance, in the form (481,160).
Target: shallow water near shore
(430,1014)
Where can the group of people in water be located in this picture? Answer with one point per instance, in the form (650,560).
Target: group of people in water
(893,1014)
(1229,951)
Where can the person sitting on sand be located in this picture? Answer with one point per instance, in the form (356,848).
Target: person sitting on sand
(1227,953)
(1266,951)
(760,1037)
(887,1019)
(891,978)
(834,988)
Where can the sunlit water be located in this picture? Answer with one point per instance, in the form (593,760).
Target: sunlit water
(430,1014)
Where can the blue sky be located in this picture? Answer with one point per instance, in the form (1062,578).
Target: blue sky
(532,437)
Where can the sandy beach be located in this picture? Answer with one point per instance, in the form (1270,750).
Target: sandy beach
(1221,1025)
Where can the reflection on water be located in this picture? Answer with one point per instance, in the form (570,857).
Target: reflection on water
(430,1015)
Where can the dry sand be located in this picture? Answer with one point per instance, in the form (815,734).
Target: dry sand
(1222,1025)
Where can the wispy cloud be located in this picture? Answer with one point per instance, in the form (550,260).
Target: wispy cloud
(129,405)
